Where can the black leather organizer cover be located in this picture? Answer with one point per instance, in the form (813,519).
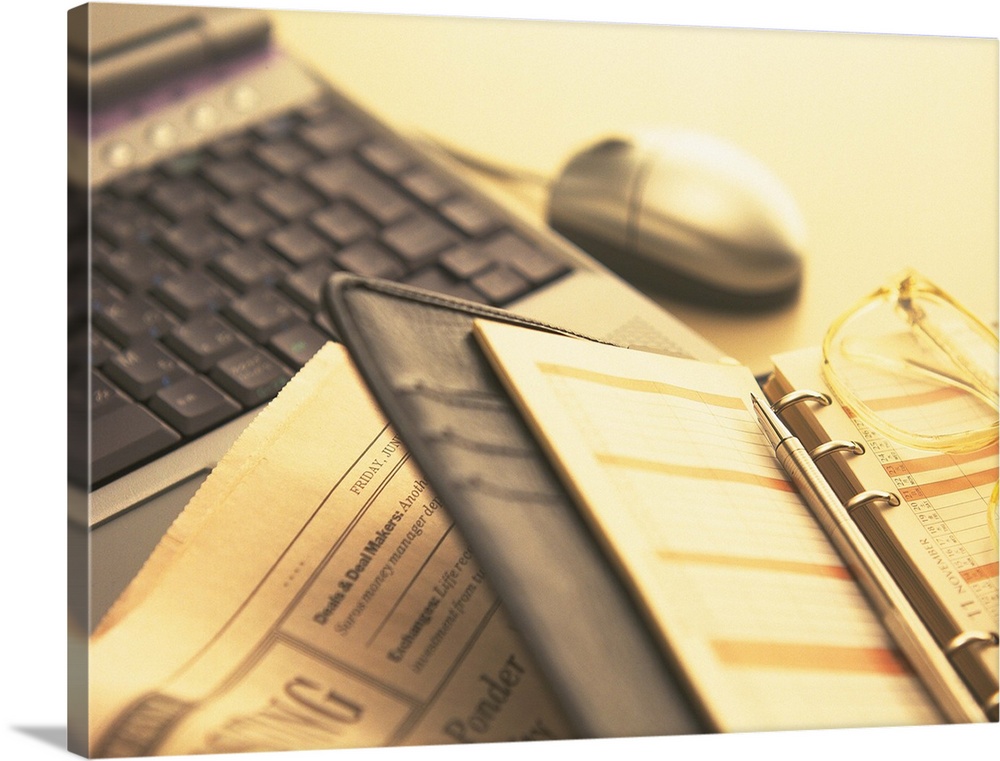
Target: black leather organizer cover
(417,353)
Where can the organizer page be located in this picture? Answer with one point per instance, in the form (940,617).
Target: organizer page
(740,584)
(942,523)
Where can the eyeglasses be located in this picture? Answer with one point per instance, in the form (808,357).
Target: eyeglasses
(919,368)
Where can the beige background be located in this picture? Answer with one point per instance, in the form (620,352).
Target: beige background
(887,143)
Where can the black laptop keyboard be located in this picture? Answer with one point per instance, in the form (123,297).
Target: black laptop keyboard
(207,269)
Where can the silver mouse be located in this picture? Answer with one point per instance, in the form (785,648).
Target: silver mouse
(684,214)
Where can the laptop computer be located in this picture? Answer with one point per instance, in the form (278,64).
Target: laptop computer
(214,185)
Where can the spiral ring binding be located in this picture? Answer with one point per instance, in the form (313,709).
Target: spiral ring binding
(976,638)
(801,395)
(872,495)
(837,445)
(992,707)
(966,639)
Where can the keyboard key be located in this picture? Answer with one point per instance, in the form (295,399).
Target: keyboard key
(101,350)
(437,280)
(322,322)
(296,345)
(233,146)
(135,269)
(429,187)
(515,252)
(332,134)
(191,292)
(124,438)
(245,219)
(132,185)
(184,164)
(284,157)
(472,218)
(132,319)
(344,178)
(203,341)
(209,268)
(251,376)
(104,397)
(387,158)
(182,197)
(369,259)
(342,224)
(195,241)
(306,285)
(144,369)
(121,222)
(236,176)
(333,177)
(193,405)
(288,199)
(417,239)
(380,201)
(261,313)
(102,294)
(500,285)
(248,268)
(299,244)
(464,261)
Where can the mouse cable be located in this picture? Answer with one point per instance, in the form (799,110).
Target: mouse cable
(490,167)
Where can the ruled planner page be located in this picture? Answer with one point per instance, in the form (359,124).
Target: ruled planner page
(946,496)
(739,582)
(942,523)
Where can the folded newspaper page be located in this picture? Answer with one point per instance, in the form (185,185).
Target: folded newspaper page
(314,594)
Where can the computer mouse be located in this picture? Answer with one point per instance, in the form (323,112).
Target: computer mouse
(685,214)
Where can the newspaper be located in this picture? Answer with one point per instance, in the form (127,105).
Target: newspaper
(314,594)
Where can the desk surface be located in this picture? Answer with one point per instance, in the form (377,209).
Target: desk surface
(887,143)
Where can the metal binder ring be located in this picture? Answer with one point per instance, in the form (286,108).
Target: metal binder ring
(801,395)
(873,495)
(992,707)
(965,639)
(837,445)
